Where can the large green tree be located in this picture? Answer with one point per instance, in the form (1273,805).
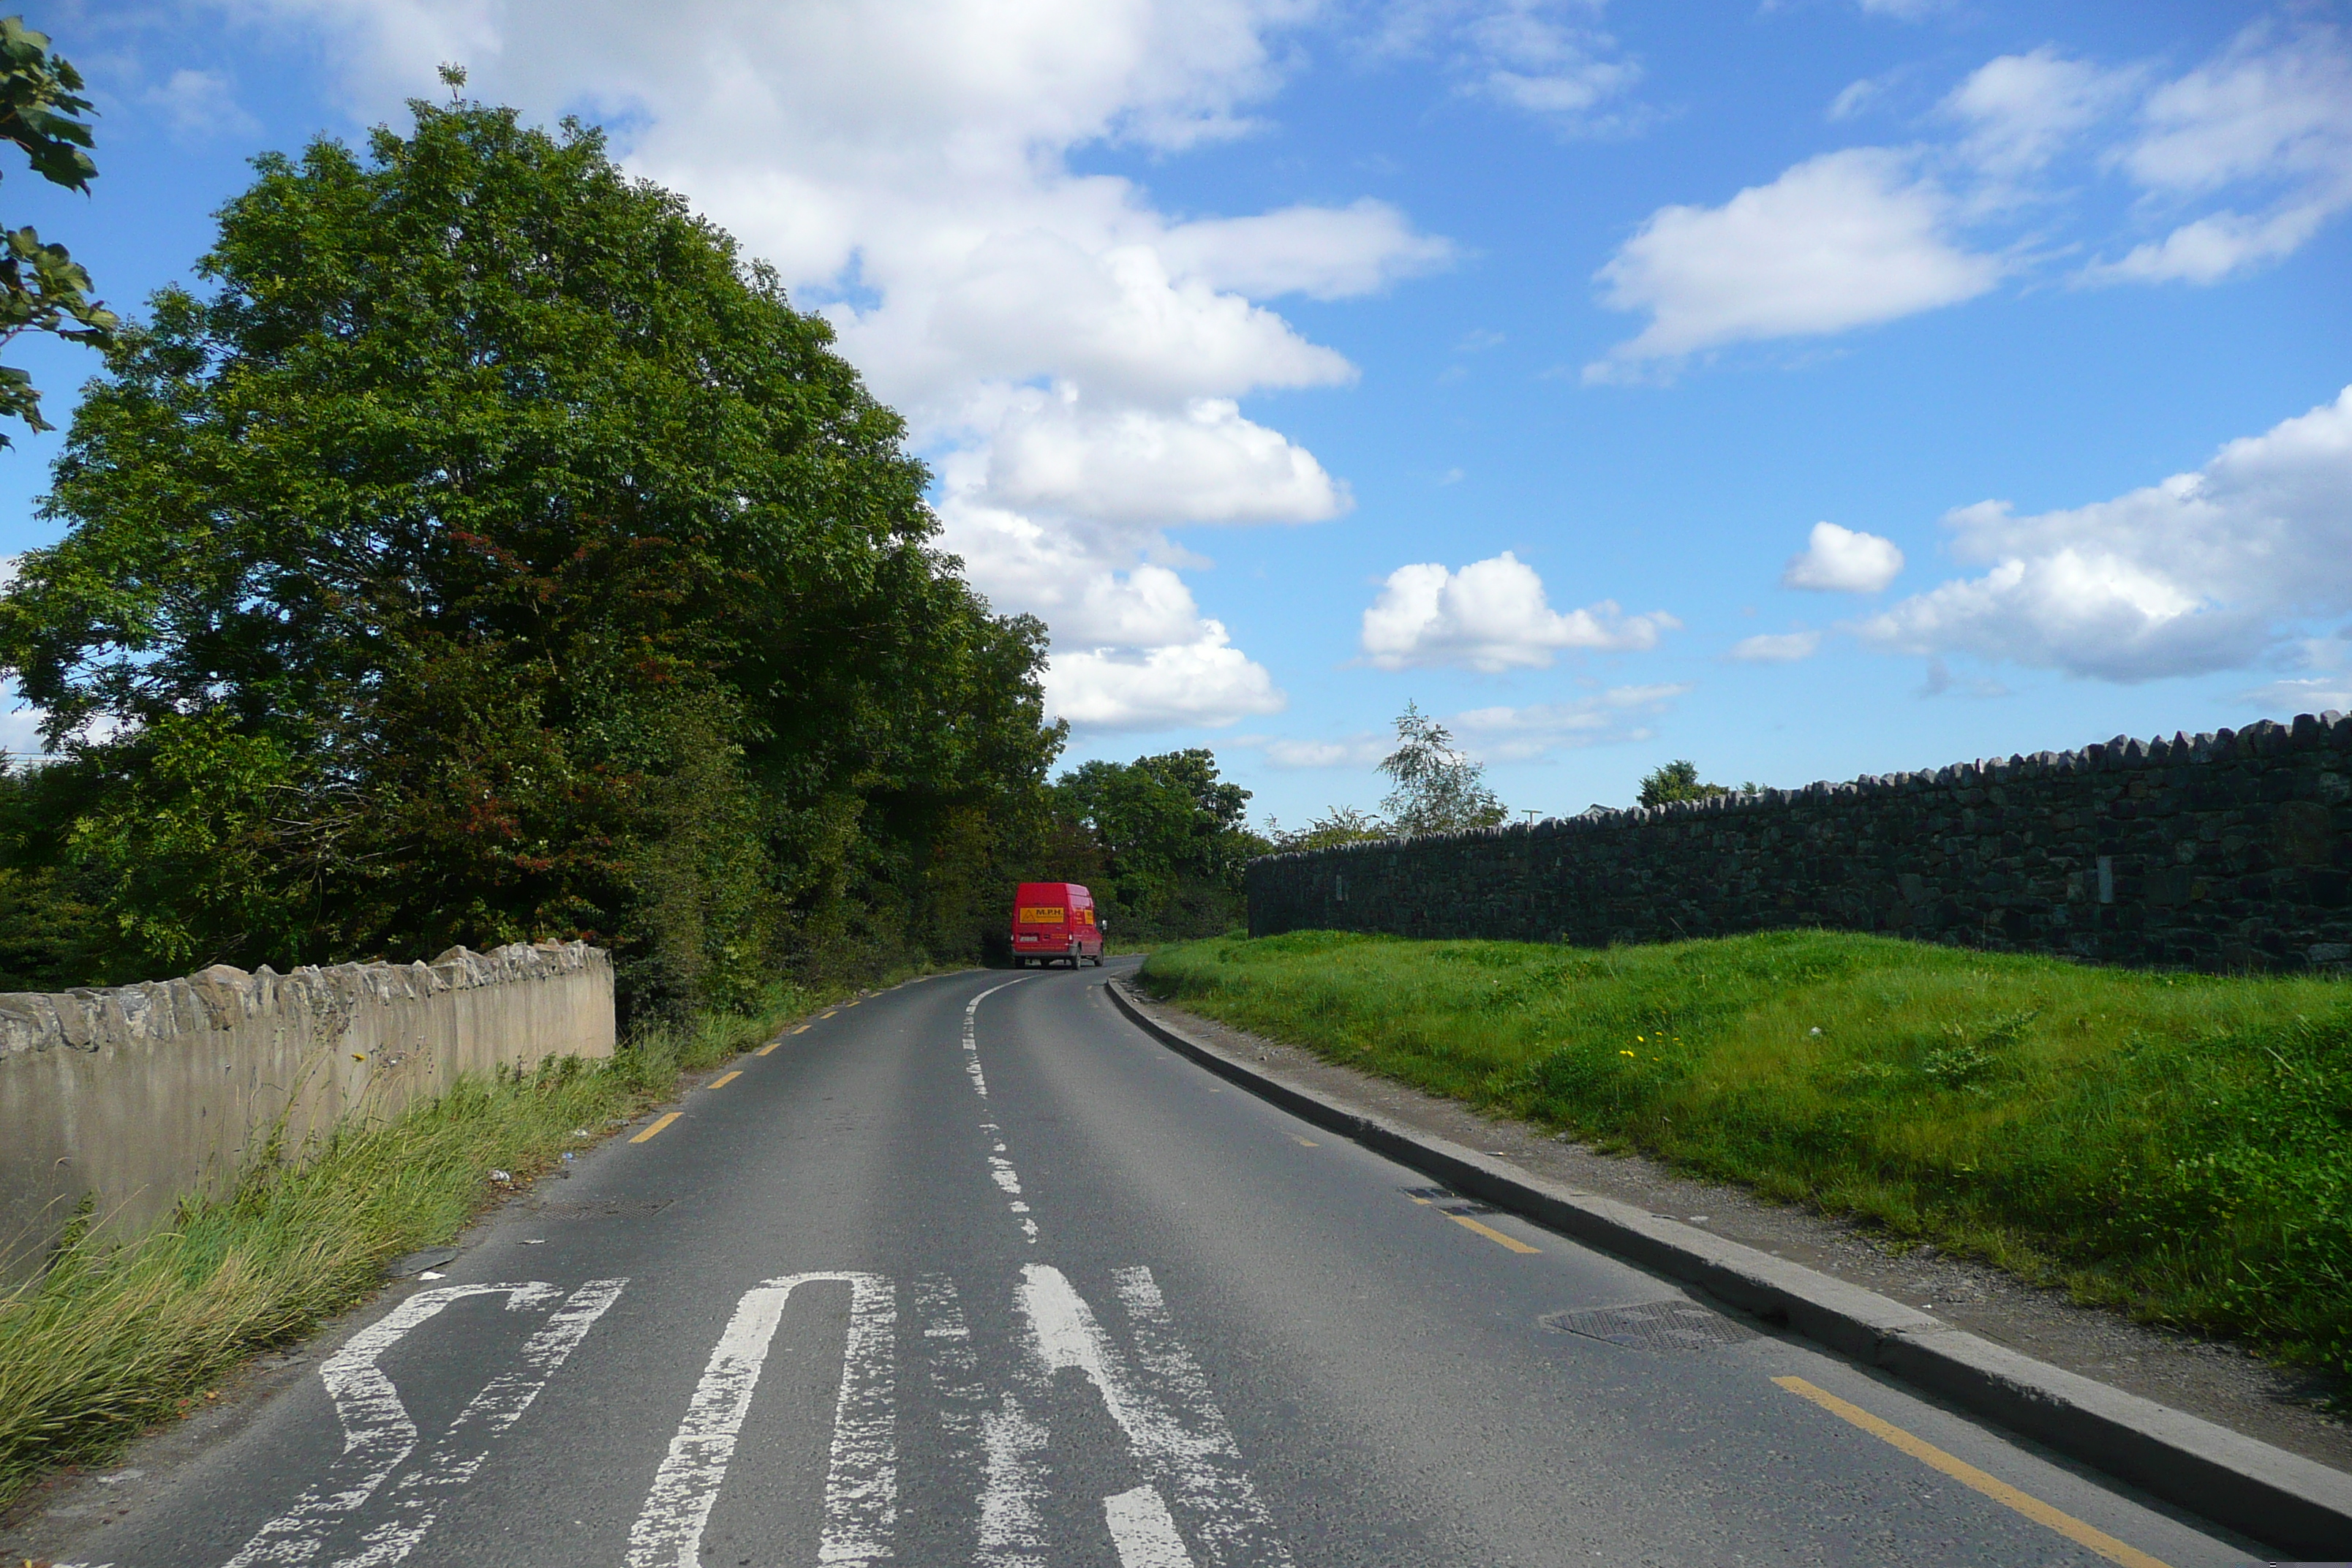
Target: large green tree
(487,549)
(42,287)
(1171,837)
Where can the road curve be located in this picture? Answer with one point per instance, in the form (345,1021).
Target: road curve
(976,1272)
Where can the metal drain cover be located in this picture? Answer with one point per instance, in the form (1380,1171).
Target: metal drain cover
(1659,1326)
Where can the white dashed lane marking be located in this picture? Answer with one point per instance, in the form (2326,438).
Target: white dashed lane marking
(971,1042)
(1000,1164)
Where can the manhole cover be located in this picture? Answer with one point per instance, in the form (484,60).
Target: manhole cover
(1663,1326)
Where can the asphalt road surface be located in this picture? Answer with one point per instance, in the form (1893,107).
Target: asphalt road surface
(976,1272)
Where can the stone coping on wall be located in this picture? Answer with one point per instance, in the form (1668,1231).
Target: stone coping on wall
(90,1020)
(2264,738)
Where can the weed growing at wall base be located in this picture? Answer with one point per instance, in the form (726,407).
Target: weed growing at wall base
(112,1338)
(2177,1144)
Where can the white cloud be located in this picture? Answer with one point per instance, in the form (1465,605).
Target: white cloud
(2270,119)
(1489,616)
(1855,98)
(1842,560)
(2242,161)
(2329,686)
(2318,694)
(1941,681)
(199,104)
(1519,735)
(1201,682)
(1125,465)
(1130,647)
(2198,573)
(1324,253)
(2213,249)
(2274,103)
(1070,355)
(2020,110)
(1546,57)
(1091,310)
(1844,240)
(1355,751)
(1776,647)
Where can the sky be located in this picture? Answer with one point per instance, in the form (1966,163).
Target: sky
(1808,388)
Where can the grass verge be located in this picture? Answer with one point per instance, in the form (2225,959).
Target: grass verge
(114,1336)
(2178,1145)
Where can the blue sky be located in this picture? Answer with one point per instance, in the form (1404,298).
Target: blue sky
(1295,361)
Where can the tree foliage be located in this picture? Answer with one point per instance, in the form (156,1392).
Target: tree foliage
(43,288)
(1438,789)
(1164,837)
(488,551)
(1339,825)
(1677,780)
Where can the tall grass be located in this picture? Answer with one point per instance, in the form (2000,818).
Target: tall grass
(114,1336)
(2177,1144)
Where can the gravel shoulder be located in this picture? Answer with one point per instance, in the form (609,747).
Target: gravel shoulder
(2283,1406)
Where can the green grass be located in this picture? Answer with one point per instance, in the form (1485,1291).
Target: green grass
(114,1337)
(2178,1145)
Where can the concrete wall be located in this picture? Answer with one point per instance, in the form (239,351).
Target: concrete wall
(142,1093)
(2230,850)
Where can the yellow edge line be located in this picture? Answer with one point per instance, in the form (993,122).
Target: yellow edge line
(771,1045)
(1969,1475)
(656,1126)
(800,1028)
(1491,1234)
(731,1078)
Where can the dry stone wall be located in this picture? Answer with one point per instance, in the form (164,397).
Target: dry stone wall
(2232,851)
(135,1095)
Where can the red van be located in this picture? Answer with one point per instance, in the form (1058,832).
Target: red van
(1055,919)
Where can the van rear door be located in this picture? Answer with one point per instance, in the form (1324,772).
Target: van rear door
(1041,919)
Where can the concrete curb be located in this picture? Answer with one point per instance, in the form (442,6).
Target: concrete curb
(2279,1499)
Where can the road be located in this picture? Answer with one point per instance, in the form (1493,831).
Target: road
(976,1272)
